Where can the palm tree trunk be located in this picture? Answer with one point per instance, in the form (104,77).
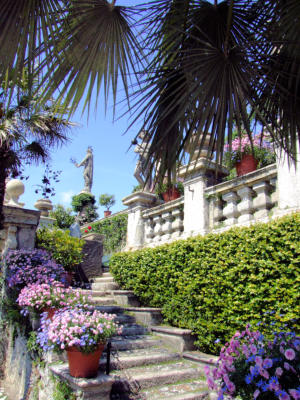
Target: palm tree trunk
(4,157)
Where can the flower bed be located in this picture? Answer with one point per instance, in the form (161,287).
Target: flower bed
(32,266)
(254,367)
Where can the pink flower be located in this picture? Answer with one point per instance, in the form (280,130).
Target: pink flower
(279,372)
(294,393)
(289,354)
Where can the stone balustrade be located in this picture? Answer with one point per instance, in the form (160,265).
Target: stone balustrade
(243,200)
(163,223)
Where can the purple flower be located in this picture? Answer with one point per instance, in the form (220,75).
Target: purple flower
(289,354)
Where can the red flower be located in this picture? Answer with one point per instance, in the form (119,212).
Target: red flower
(86,231)
(89,227)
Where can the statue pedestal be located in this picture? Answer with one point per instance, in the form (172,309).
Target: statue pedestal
(137,202)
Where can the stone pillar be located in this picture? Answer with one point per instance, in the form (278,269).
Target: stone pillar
(19,228)
(288,181)
(230,211)
(196,207)
(137,202)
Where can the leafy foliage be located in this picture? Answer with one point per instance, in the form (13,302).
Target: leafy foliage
(218,283)
(107,200)
(114,230)
(65,250)
(82,200)
(62,216)
(45,188)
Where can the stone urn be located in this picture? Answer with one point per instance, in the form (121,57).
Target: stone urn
(44,205)
(194,144)
(14,189)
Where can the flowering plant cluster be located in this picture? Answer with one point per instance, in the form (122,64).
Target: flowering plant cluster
(253,367)
(89,228)
(75,327)
(262,151)
(32,266)
(36,297)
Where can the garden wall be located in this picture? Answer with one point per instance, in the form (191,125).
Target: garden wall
(216,284)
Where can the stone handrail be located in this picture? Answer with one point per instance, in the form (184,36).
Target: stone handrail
(164,223)
(242,200)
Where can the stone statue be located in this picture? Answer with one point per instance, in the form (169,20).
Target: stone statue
(142,169)
(87,163)
(75,228)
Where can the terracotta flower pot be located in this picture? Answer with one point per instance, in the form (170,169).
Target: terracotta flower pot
(84,365)
(107,213)
(171,194)
(247,164)
(50,312)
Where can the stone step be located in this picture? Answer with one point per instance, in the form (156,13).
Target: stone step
(103,301)
(138,357)
(133,330)
(187,390)
(110,309)
(96,293)
(154,375)
(103,279)
(107,275)
(104,286)
(134,342)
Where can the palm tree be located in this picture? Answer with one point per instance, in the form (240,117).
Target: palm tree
(26,134)
(209,64)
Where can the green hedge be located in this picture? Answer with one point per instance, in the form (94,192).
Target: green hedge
(218,283)
(114,230)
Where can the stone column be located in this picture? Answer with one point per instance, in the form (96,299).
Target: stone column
(137,202)
(196,207)
(288,181)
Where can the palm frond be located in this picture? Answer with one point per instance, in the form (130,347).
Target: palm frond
(26,31)
(200,79)
(94,48)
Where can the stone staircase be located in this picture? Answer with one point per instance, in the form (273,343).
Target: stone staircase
(148,362)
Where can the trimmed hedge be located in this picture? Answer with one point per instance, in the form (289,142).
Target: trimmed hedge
(218,283)
(114,230)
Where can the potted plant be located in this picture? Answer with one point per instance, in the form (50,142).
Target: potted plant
(37,298)
(170,191)
(107,200)
(246,158)
(252,366)
(82,334)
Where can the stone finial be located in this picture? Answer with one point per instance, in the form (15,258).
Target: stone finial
(44,205)
(14,189)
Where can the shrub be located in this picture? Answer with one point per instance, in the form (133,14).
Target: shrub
(82,200)
(62,216)
(114,230)
(218,283)
(31,266)
(65,249)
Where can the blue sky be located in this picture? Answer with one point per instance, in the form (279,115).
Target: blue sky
(113,163)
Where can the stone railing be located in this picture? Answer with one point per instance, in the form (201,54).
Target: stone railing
(243,200)
(163,223)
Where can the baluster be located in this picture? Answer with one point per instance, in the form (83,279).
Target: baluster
(177,222)
(167,225)
(262,203)
(230,210)
(149,229)
(157,228)
(274,194)
(245,207)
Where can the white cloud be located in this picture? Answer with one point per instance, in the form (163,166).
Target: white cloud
(66,197)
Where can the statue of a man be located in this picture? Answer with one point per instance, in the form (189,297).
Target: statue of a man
(87,163)
(142,169)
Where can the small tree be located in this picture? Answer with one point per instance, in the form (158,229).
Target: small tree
(107,200)
(63,217)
